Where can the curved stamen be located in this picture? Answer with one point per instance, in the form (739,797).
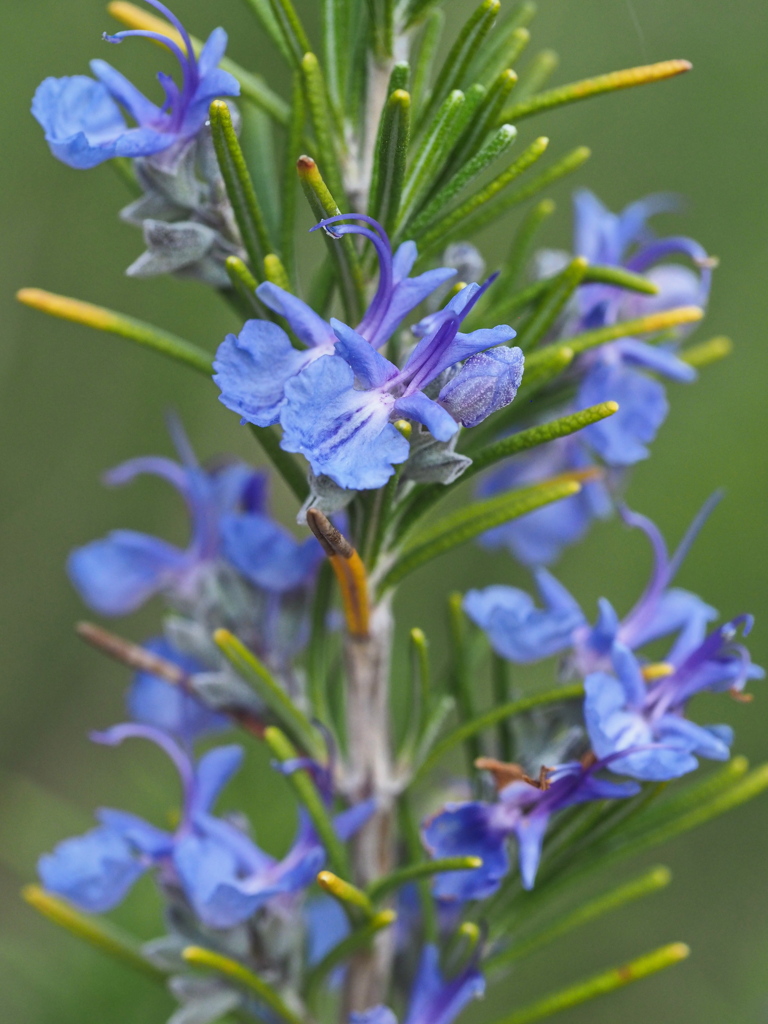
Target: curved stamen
(171,17)
(114,737)
(156,37)
(380,240)
(693,531)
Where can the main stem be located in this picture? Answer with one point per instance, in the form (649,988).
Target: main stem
(371,775)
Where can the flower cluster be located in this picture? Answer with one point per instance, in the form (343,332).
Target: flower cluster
(386,410)
(626,371)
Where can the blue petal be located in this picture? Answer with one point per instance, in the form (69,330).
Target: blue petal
(252,369)
(696,739)
(94,871)
(210,878)
(266,554)
(437,1000)
(143,111)
(326,926)
(146,838)
(344,434)
(370,368)
(596,229)
(154,701)
(118,574)
(530,838)
(347,823)
(488,381)
(439,422)
(467,830)
(212,52)
(621,439)
(213,772)
(517,629)
(656,359)
(84,126)
(377,1015)
(308,327)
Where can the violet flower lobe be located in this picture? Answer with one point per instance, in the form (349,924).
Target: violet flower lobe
(220,870)
(253,367)
(82,117)
(523,811)
(227,508)
(433,999)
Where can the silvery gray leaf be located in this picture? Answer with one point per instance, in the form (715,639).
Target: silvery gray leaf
(151,206)
(548,262)
(205,1000)
(209,270)
(466,259)
(549,735)
(224,691)
(324,494)
(179,186)
(170,247)
(165,952)
(434,462)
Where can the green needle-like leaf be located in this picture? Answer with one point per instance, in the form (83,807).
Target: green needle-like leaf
(240,190)
(247,665)
(621,278)
(627,329)
(619,896)
(600,984)
(557,294)
(534,436)
(706,352)
(483,121)
(390,160)
(342,250)
(459,678)
(102,319)
(536,74)
(296,39)
(498,145)
(309,795)
(245,284)
(473,520)
(347,894)
(275,272)
(492,718)
(293,149)
(458,218)
(263,11)
(503,49)
(358,939)
(414,872)
(284,463)
(594,87)
(452,73)
(244,978)
(516,260)
(436,144)
(96,932)
(424,56)
(317,105)
(336,49)
(252,87)
(487,212)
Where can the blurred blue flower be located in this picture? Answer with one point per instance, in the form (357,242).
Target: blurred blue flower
(156,702)
(624,713)
(253,367)
(626,371)
(82,117)
(227,508)
(220,870)
(523,811)
(433,999)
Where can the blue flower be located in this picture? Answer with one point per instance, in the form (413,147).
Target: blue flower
(523,811)
(117,574)
(642,726)
(253,367)
(539,537)
(223,874)
(433,999)
(521,632)
(156,702)
(339,410)
(82,117)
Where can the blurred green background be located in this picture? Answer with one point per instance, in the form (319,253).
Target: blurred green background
(74,403)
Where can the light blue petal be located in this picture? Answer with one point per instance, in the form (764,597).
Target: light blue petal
(438,1000)
(266,554)
(656,359)
(438,421)
(143,111)
(94,871)
(142,836)
(344,434)
(252,369)
(214,770)
(621,439)
(370,368)
(467,830)
(308,327)
(530,839)
(116,575)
